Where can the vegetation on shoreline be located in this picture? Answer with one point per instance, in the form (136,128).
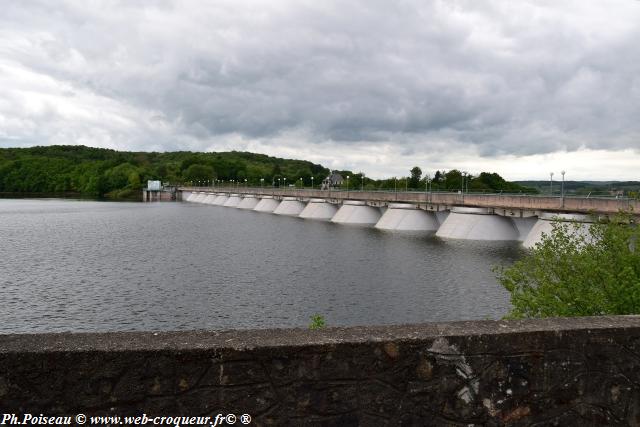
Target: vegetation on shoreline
(573,273)
(101,172)
(98,172)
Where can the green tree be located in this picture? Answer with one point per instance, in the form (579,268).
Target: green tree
(416,174)
(572,273)
(197,172)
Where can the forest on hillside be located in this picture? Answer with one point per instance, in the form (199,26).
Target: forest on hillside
(98,172)
(101,172)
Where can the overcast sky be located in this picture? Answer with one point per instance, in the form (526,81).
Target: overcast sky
(521,88)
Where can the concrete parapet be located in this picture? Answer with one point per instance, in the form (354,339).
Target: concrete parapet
(563,372)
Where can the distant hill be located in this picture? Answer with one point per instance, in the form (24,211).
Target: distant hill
(583,188)
(102,172)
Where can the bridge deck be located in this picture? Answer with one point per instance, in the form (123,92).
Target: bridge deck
(500,201)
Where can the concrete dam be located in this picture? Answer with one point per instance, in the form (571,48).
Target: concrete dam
(447,215)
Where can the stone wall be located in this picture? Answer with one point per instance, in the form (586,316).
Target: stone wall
(580,371)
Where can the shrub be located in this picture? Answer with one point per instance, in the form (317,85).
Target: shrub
(569,273)
(317,322)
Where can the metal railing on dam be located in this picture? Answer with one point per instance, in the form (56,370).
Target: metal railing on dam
(604,205)
(564,372)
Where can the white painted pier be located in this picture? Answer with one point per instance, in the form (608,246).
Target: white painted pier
(407,217)
(289,206)
(319,209)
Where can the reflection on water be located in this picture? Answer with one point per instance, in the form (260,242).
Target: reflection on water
(103,266)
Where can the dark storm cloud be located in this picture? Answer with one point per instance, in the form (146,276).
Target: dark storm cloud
(502,77)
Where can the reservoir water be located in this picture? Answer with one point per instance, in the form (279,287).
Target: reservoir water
(69,265)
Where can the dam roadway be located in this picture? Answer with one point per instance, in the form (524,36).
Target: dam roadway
(449,215)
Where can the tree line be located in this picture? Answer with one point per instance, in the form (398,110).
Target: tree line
(452,180)
(102,172)
(98,172)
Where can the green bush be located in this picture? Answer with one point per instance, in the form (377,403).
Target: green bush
(317,322)
(578,274)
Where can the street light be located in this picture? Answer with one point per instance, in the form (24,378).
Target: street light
(551,184)
(462,189)
(348,185)
(362,183)
(426,187)
(262,183)
(312,182)
(562,188)
(300,179)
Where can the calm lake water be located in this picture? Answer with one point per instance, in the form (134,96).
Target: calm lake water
(71,265)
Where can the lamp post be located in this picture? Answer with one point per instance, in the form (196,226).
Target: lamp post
(312,182)
(262,183)
(426,187)
(395,186)
(462,186)
(278,183)
(348,185)
(285,183)
(551,184)
(562,188)
(362,183)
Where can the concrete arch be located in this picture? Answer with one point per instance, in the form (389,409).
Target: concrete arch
(356,212)
(249,202)
(319,209)
(289,206)
(407,217)
(232,201)
(544,225)
(266,204)
(477,224)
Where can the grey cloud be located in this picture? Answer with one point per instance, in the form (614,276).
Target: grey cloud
(506,78)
